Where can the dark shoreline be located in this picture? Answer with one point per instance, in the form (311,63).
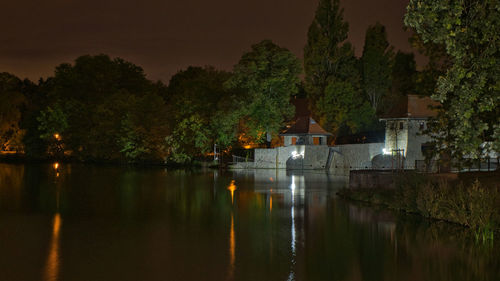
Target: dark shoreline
(472,201)
(23,159)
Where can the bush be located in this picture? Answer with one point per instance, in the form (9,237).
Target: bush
(471,205)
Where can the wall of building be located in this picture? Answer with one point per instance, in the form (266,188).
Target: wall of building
(315,157)
(409,138)
(415,141)
(296,157)
(348,157)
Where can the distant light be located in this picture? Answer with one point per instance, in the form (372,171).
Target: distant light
(56,166)
(385,151)
(296,155)
(232,188)
(247,146)
(57,136)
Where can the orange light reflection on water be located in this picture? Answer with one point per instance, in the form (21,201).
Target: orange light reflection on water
(52,266)
(232,188)
(232,246)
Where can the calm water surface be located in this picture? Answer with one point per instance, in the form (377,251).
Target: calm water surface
(113,223)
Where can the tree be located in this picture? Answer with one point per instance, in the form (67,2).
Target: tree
(439,62)
(403,77)
(377,62)
(267,77)
(36,96)
(143,128)
(326,50)
(343,109)
(470,89)
(13,102)
(333,81)
(201,113)
(99,98)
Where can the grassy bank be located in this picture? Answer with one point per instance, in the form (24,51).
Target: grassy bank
(473,200)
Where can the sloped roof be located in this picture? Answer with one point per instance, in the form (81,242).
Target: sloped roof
(303,124)
(413,106)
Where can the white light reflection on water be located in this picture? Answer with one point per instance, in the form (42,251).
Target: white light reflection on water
(291,276)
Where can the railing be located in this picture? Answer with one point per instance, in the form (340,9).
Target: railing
(436,166)
(239,159)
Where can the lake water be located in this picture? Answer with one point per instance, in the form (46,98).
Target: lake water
(81,222)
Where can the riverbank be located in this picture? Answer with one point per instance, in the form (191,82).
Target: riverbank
(19,158)
(471,200)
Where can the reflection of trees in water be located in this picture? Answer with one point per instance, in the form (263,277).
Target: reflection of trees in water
(189,217)
(441,251)
(11,179)
(363,243)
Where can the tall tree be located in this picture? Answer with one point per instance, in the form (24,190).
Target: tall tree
(11,107)
(403,81)
(93,102)
(267,77)
(438,63)
(470,89)
(404,73)
(332,80)
(326,50)
(201,112)
(377,62)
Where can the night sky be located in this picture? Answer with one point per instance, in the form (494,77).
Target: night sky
(164,36)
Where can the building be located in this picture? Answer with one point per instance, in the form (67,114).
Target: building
(304,130)
(404,127)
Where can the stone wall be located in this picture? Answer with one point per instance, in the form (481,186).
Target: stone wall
(315,157)
(295,157)
(409,138)
(355,156)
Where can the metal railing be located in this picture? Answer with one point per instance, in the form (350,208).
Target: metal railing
(436,166)
(239,159)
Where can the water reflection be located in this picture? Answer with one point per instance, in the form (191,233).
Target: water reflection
(231,189)
(52,267)
(189,224)
(232,245)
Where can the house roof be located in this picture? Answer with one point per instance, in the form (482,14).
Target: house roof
(303,124)
(413,106)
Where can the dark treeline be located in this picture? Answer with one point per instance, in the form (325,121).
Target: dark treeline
(104,109)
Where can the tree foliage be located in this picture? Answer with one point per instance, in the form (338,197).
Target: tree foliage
(438,63)
(377,63)
(326,51)
(11,106)
(470,89)
(343,109)
(99,99)
(201,113)
(333,80)
(266,78)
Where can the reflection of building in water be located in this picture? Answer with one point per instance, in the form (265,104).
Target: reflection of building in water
(300,196)
(384,221)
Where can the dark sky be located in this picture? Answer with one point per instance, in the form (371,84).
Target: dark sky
(164,36)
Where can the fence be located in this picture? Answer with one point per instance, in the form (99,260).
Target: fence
(239,159)
(435,166)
